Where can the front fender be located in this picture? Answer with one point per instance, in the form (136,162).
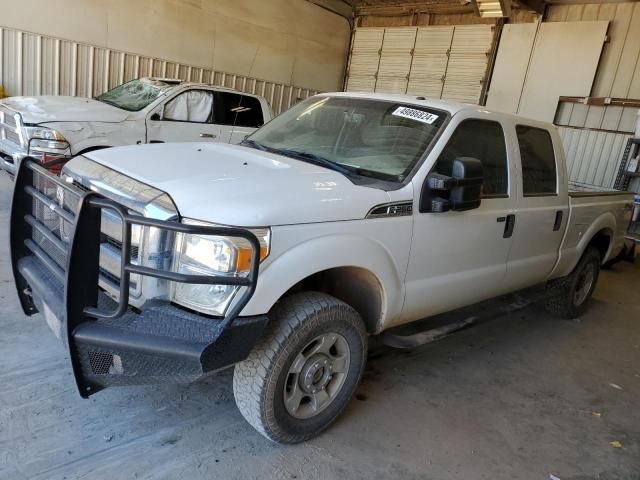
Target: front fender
(84,135)
(337,250)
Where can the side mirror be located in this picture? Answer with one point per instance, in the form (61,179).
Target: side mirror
(460,191)
(155,117)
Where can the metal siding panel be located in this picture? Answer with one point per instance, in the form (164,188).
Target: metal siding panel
(628,119)
(594,117)
(394,65)
(425,87)
(433,40)
(429,66)
(611,118)
(563,114)
(367,40)
(358,83)
(467,64)
(592,156)
(398,40)
(578,115)
(391,85)
(472,39)
(364,64)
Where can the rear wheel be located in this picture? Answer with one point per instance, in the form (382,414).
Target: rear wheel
(304,370)
(569,296)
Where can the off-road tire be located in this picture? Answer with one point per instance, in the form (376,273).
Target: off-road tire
(561,292)
(259,381)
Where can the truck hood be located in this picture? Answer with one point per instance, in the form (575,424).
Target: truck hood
(35,110)
(240,186)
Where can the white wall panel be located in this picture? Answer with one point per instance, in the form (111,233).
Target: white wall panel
(564,62)
(33,64)
(510,69)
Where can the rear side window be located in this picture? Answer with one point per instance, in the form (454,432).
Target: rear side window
(240,110)
(538,161)
(482,140)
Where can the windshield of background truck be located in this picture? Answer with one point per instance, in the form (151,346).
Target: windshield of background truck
(374,138)
(133,96)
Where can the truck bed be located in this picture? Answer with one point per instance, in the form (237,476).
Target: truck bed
(588,207)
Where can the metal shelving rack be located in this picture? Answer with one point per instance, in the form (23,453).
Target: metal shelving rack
(624,177)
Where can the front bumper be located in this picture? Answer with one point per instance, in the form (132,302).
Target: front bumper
(110,343)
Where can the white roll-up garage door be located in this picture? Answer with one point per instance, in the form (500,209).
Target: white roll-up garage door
(442,62)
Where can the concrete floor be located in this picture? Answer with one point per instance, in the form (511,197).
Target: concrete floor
(521,397)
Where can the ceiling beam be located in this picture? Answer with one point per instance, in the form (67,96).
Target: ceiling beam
(536,6)
(344,8)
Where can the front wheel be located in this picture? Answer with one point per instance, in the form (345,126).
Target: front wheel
(569,295)
(303,371)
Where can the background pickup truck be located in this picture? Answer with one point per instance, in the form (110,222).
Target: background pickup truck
(344,216)
(146,110)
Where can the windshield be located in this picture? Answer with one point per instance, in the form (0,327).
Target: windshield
(373,138)
(134,95)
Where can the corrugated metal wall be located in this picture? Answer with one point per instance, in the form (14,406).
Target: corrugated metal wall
(33,64)
(593,156)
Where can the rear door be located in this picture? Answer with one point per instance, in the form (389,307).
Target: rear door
(238,115)
(541,207)
(186,117)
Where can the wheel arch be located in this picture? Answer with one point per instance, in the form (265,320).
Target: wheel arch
(600,234)
(357,270)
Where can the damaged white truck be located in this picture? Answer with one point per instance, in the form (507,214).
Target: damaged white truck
(345,216)
(145,110)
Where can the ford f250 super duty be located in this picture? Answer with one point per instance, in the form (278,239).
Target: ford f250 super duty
(146,110)
(344,216)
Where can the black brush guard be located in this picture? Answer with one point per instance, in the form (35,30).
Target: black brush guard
(109,343)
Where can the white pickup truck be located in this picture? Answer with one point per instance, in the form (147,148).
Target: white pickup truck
(344,216)
(147,110)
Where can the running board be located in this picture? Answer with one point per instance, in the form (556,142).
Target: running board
(429,330)
(422,338)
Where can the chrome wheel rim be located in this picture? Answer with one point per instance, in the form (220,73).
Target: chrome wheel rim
(584,284)
(316,375)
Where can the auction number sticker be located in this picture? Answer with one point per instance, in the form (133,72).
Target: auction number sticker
(412,113)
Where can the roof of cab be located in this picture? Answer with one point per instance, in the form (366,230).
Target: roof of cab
(449,106)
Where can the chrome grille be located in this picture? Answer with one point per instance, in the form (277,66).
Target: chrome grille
(10,126)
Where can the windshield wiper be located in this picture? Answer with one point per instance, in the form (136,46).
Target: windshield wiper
(312,158)
(254,144)
(108,102)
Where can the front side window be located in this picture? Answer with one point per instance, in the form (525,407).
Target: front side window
(135,95)
(240,111)
(194,106)
(538,161)
(373,138)
(483,140)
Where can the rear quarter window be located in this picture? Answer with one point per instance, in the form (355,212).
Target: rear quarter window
(539,172)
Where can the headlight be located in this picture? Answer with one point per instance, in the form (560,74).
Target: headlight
(44,133)
(213,255)
(45,142)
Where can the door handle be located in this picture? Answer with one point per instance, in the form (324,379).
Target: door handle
(208,135)
(558,222)
(510,223)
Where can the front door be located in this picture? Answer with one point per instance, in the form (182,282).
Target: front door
(187,117)
(542,209)
(459,258)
